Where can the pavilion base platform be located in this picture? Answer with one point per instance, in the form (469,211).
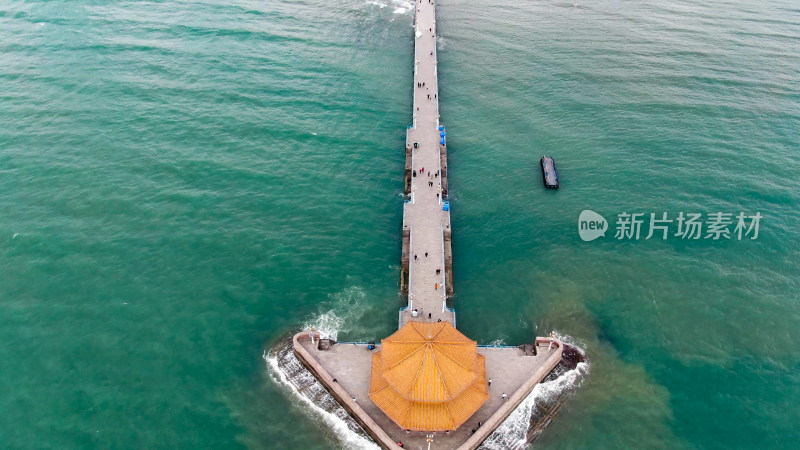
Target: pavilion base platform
(344,369)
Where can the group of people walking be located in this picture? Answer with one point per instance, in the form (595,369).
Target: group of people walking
(431,94)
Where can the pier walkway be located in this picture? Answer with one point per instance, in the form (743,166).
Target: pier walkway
(349,371)
(423,214)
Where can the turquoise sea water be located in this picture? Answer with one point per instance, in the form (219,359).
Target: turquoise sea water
(184,183)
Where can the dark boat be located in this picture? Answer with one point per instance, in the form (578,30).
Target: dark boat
(549,172)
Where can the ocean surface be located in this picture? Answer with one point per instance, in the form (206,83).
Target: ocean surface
(183,184)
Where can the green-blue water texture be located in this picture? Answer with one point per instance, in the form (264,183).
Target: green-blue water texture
(184,183)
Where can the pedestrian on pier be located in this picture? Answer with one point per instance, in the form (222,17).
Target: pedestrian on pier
(490,381)
(436,286)
(438,271)
(415,257)
(505,397)
(426,254)
(429,315)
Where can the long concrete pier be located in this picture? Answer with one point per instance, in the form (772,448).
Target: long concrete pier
(345,369)
(427,256)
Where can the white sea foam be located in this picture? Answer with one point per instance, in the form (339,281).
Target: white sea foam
(400,6)
(572,341)
(327,324)
(347,308)
(512,434)
(336,420)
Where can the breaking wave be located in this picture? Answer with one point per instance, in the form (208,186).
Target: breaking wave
(308,393)
(287,371)
(531,417)
(400,6)
(327,324)
(514,432)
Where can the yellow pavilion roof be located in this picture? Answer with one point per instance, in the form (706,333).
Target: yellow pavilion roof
(428,377)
